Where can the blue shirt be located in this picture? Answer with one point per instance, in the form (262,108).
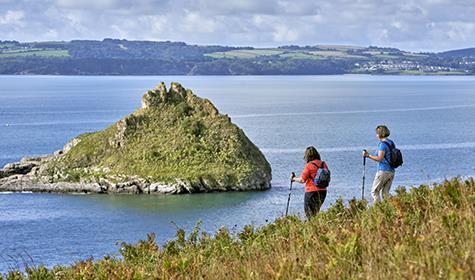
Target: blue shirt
(384,164)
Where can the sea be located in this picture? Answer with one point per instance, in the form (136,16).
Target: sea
(431,118)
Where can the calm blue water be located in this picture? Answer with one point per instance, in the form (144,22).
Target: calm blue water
(431,119)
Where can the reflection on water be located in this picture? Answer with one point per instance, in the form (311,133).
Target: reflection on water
(171,204)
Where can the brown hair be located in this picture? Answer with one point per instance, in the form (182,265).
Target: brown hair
(311,154)
(382,131)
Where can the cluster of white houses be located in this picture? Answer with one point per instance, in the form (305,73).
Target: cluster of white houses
(398,66)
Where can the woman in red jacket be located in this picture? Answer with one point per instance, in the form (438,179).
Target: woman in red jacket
(314,195)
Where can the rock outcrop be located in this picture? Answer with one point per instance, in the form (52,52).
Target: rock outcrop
(176,143)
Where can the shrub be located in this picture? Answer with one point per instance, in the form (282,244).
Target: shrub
(425,233)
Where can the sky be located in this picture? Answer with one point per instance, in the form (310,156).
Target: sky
(413,25)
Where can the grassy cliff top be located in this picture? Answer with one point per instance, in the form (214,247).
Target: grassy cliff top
(174,135)
(424,233)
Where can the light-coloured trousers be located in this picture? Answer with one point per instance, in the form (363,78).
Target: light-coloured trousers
(381,185)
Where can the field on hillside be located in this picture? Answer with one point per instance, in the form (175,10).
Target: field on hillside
(245,53)
(335,52)
(35,52)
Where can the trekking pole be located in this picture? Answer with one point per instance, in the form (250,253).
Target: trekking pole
(290,192)
(364,176)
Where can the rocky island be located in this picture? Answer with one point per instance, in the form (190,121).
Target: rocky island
(175,143)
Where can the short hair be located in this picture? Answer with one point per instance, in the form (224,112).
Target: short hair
(382,131)
(311,154)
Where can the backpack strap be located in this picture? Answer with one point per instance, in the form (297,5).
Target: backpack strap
(322,166)
(314,164)
(391,147)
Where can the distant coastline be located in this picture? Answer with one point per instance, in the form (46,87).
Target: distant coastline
(402,74)
(124,58)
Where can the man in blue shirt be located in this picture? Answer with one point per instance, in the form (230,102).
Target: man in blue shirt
(385,174)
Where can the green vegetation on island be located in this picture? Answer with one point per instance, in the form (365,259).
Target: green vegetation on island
(123,57)
(424,233)
(174,135)
(176,143)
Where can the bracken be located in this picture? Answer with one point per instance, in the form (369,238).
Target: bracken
(416,234)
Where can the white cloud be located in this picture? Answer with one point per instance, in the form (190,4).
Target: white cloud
(406,24)
(77,23)
(231,7)
(194,22)
(461,31)
(298,8)
(158,25)
(52,35)
(87,4)
(283,34)
(12,18)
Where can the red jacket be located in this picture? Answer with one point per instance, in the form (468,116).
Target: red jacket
(309,173)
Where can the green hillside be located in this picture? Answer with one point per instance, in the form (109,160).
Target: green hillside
(124,57)
(424,233)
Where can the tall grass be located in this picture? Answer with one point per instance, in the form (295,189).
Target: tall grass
(421,233)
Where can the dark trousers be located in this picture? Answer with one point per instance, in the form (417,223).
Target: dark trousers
(313,201)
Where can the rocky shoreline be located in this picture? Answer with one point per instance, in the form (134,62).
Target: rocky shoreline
(25,176)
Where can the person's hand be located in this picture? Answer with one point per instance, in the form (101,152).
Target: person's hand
(365,153)
(292,176)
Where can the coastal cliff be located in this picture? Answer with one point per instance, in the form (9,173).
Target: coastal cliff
(175,143)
